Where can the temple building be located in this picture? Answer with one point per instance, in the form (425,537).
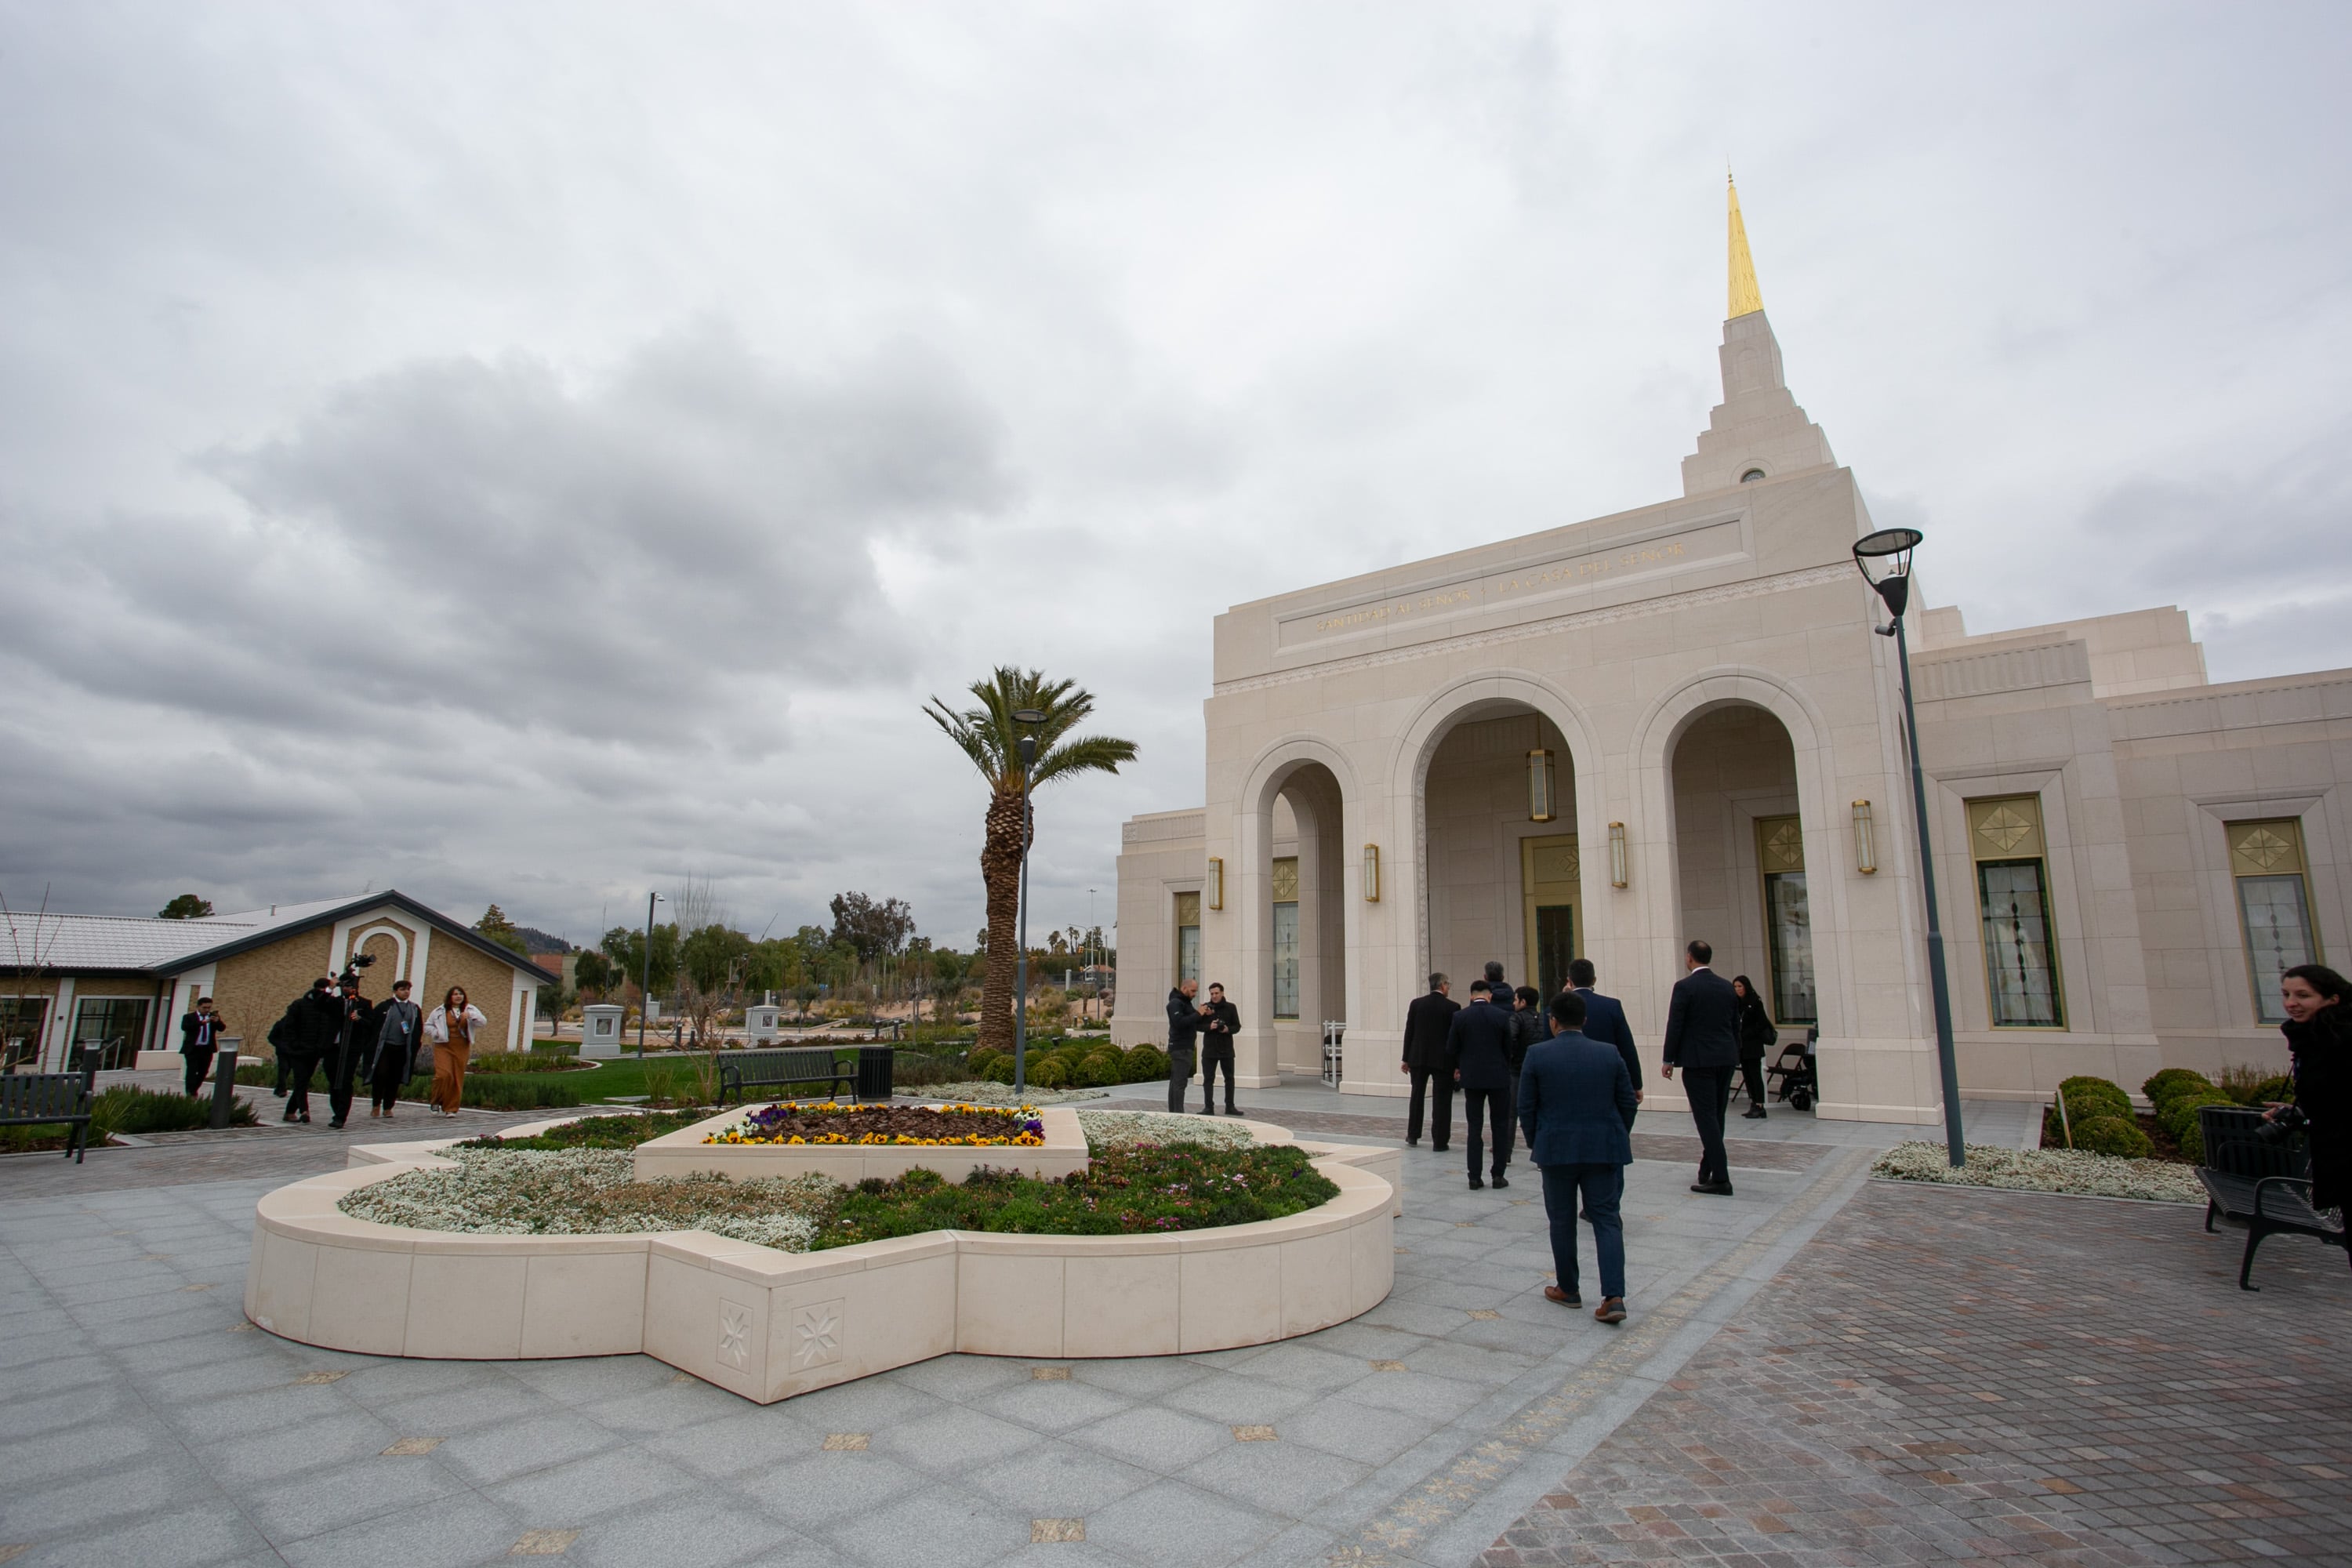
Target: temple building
(1605,739)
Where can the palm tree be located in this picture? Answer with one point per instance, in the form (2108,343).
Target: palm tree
(992,739)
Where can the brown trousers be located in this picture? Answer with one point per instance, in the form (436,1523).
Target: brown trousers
(449,1074)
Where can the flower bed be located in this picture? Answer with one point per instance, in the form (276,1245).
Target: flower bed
(893,1126)
(2044,1171)
(1146,1190)
(583,1191)
(595,1131)
(977,1091)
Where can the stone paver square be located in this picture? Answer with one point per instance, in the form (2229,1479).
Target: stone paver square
(1238,1398)
(583,1489)
(1060,1479)
(1052,1406)
(1154,1439)
(491,1454)
(757,1437)
(1174,1525)
(703,1531)
(443,1532)
(946,1526)
(290,1451)
(87,1503)
(957,1440)
(366,1489)
(1364,1432)
(209,1533)
(1284,1478)
(826,1486)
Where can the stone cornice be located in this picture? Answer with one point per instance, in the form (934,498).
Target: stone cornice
(1722,593)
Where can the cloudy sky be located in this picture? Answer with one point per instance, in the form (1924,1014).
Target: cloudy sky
(533,452)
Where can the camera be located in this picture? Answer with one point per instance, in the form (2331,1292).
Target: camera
(352,968)
(2278,1129)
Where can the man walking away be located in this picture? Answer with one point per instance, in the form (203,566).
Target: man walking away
(394,1057)
(199,1038)
(1221,1021)
(1576,1102)
(1478,1059)
(311,1026)
(1527,1027)
(1702,1039)
(1184,1022)
(1604,1020)
(1426,1024)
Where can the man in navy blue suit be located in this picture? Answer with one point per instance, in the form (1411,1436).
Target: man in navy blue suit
(1478,1059)
(1576,1104)
(1702,1039)
(1604,1020)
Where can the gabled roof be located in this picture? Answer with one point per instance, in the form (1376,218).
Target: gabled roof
(171,947)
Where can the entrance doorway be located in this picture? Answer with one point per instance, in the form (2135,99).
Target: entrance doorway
(1548,894)
(1787,919)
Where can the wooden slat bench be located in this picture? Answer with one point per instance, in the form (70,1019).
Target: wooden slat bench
(2261,1184)
(48,1098)
(789,1069)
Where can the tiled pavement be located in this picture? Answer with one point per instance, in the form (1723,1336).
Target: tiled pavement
(1946,1375)
(141,1422)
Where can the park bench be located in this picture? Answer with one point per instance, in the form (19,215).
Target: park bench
(2264,1185)
(791,1069)
(49,1098)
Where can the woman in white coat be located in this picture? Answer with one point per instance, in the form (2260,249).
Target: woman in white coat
(451,1029)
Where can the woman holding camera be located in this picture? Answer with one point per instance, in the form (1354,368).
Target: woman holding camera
(2318,1030)
(451,1030)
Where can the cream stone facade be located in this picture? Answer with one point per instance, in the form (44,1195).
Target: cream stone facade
(2125,854)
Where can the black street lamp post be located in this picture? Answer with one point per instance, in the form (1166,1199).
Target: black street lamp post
(1028,719)
(1889,554)
(645,979)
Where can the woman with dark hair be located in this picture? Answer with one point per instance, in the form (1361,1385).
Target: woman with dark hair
(1757,1035)
(451,1030)
(2318,1030)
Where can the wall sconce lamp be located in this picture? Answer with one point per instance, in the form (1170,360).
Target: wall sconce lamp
(1372,873)
(1217,887)
(1865,851)
(1616,854)
(1543,785)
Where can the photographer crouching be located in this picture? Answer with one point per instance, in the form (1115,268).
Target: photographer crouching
(2318,1032)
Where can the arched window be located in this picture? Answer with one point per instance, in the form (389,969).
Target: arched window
(1751,476)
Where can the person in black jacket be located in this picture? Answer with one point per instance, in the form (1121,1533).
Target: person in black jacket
(2318,1031)
(353,1046)
(1478,1059)
(1757,1035)
(1425,1023)
(1604,1019)
(1220,1022)
(199,1039)
(1527,1026)
(1703,1040)
(312,1025)
(1184,1022)
(399,1025)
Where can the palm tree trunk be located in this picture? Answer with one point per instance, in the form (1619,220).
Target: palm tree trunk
(1000,872)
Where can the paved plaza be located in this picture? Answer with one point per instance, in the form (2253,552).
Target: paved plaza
(1822,1369)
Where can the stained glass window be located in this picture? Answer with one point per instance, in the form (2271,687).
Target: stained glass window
(2273,906)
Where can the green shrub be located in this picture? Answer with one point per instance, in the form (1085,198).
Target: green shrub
(496,1062)
(2249,1084)
(2179,1118)
(1102,1069)
(596,1131)
(505,1091)
(2112,1135)
(1049,1074)
(1144,1063)
(2270,1091)
(980,1060)
(129,1109)
(2089,1098)
(999,1069)
(1153,1188)
(2171,1082)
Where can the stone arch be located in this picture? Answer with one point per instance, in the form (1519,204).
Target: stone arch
(1320,784)
(400,940)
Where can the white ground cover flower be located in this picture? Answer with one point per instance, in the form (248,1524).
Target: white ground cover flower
(587,1192)
(1107,1130)
(980,1092)
(2073,1171)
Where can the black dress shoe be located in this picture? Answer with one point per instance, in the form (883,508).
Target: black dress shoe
(1413,1143)
(1498,1181)
(1754,1113)
(1713,1189)
(1477,1185)
(332,1126)
(1437,1148)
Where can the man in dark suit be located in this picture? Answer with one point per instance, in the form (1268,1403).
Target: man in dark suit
(1604,1020)
(199,1039)
(1702,1039)
(1185,1021)
(1576,1102)
(1478,1060)
(1425,1023)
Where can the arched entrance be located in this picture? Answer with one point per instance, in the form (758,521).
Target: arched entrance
(1739,842)
(1298,887)
(1502,861)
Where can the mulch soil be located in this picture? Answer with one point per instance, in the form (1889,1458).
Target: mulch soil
(887,1120)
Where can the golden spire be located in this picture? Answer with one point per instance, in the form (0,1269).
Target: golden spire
(1744,298)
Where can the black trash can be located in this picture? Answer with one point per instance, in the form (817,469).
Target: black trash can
(873,1072)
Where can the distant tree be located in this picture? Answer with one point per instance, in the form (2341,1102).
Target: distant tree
(186,907)
(494,925)
(625,946)
(595,973)
(872,928)
(989,735)
(713,956)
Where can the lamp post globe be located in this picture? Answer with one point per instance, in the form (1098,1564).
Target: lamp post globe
(1028,719)
(1883,559)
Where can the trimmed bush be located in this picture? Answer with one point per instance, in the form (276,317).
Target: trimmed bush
(2089,1098)
(1102,1069)
(2112,1135)
(2280,1090)
(504,1091)
(1049,1074)
(999,1069)
(2179,1118)
(1143,1063)
(2172,1081)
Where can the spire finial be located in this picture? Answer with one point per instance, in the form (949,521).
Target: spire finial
(1745,297)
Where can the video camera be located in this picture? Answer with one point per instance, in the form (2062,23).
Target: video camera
(350,974)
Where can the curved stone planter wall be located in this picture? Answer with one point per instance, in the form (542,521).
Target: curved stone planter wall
(768,1324)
